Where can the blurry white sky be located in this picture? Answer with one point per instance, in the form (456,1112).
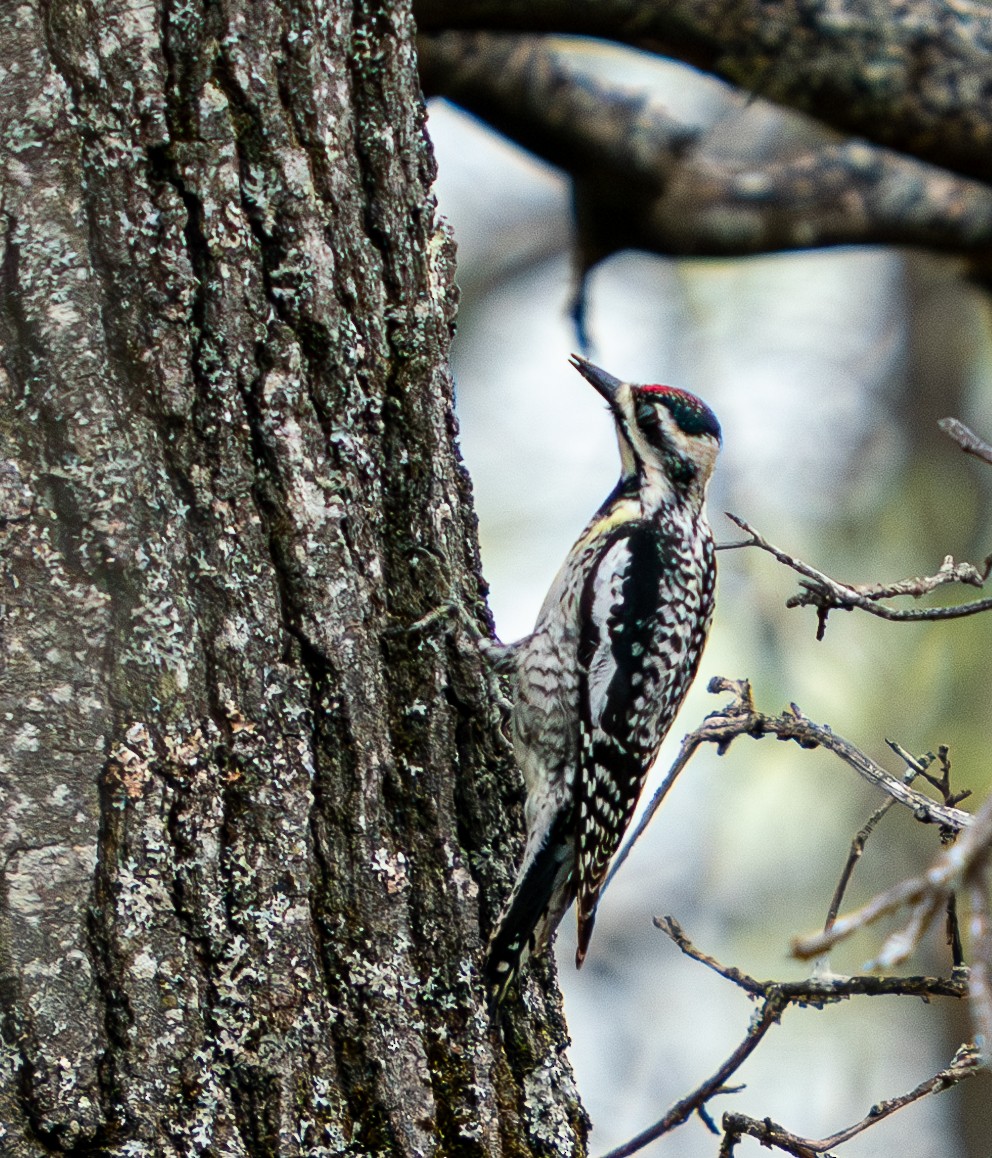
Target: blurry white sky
(798,355)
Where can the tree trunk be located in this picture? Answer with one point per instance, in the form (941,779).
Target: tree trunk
(251,826)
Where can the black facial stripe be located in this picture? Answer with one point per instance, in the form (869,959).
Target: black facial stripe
(692,416)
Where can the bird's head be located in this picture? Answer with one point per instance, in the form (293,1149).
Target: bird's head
(666,435)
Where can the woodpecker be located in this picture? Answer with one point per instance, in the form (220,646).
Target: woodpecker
(596,685)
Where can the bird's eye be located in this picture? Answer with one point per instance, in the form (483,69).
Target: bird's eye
(647,414)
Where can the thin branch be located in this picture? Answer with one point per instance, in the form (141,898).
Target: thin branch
(775,997)
(966,438)
(920,766)
(907,892)
(824,989)
(942,782)
(915,767)
(854,855)
(965,1063)
(954,942)
(673,930)
(925,894)
(761,1023)
(826,594)
(741,718)
(689,745)
(943,785)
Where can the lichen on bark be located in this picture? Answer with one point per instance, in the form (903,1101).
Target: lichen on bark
(252,828)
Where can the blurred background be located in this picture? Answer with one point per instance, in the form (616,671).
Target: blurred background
(828,371)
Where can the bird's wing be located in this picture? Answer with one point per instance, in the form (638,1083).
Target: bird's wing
(630,637)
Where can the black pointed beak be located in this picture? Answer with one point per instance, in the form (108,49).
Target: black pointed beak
(605,383)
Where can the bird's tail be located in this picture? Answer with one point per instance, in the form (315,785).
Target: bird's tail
(544,889)
(586,905)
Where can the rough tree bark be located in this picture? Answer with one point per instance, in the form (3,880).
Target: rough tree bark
(251,829)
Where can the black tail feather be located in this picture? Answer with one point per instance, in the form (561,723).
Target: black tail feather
(542,893)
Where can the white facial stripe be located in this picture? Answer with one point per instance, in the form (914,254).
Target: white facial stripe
(701,450)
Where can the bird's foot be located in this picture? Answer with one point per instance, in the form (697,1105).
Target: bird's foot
(458,623)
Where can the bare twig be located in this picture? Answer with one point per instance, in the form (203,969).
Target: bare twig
(915,764)
(761,1023)
(820,990)
(776,997)
(741,718)
(689,745)
(942,782)
(966,438)
(964,1064)
(943,785)
(920,766)
(954,941)
(826,594)
(925,894)
(857,848)
(915,768)
(672,929)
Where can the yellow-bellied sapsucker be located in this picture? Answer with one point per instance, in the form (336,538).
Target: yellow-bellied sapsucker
(616,646)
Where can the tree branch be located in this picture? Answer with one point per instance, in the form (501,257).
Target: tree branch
(532,92)
(826,594)
(966,438)
(965,1063)
(961,863)
(776,998)
(693,1103)
(741,718)
(914,76)
(820,990)
(854,855)
(645,181)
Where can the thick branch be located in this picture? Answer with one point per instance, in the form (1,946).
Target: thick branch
(644,181)
(914,76)
(527,89)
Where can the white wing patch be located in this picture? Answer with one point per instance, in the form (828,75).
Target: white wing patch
(612,570)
